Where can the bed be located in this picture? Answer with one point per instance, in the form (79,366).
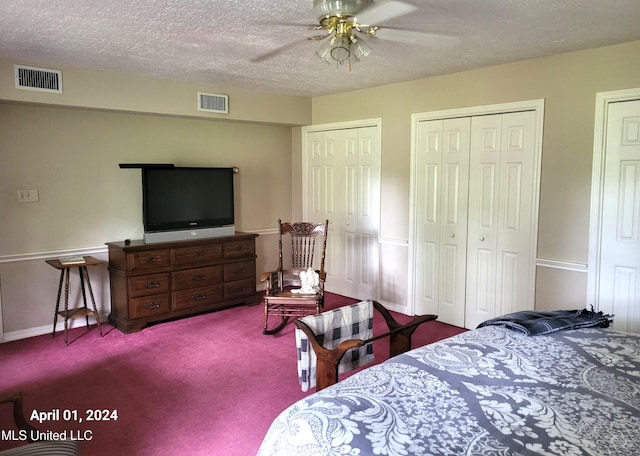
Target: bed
(493,391)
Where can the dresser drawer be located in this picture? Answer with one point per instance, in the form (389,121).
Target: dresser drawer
(150,305)
(195,278)
(148,259)
(149,284)
(239,249)
(239,289)
(239,270)
(197,297)
(197,254)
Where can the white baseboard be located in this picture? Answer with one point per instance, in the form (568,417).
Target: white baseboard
(40,330)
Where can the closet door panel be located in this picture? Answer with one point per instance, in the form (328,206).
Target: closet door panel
(482,242)
(342,216)
(368,221)
(453,221)
(482,285)
(429,158)
(429,289)
(501,211)
(443,164)
(515,254)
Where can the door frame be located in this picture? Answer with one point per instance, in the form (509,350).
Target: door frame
(536,105)
(603,99)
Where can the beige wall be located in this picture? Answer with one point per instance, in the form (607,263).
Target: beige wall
(72,155)
(567,82)
(103,90)
(69,146)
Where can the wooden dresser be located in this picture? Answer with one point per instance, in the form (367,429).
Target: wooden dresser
(161,281)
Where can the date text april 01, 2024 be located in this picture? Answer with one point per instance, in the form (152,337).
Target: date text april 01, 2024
(71,416)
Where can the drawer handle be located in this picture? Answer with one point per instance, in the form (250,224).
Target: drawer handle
(199,297)
(153,259)
(198,277)
(239,289)
(154,284)
(152,305)
(240,248)
(240,271)
(199,253)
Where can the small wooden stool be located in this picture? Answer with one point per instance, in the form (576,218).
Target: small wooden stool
(84,278)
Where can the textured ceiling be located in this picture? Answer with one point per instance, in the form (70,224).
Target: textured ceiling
(218,41)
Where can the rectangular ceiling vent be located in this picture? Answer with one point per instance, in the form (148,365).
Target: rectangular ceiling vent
(211,102)
(41,79)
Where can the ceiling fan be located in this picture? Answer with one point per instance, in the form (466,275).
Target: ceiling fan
(345,22)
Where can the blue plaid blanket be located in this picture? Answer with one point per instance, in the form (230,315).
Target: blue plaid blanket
(331,328)
(532,323)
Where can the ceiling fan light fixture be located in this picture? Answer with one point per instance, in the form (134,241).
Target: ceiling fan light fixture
(343,48)
(325,50)
(337,49)
(359,49)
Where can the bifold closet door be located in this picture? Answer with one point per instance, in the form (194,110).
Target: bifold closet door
(502,196)
(441,225)
(343,178)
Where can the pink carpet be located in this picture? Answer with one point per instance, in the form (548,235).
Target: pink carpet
(205,385)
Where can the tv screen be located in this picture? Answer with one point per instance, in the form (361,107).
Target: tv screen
(187,198)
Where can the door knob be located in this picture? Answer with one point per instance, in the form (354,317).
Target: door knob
(453,235)
(482,238)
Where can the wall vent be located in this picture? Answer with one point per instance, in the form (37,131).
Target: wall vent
(211,102)
(41,79)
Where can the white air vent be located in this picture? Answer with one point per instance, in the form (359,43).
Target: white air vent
(41,79)
(211,102)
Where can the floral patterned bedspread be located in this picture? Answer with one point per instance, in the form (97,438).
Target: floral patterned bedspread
(490,391)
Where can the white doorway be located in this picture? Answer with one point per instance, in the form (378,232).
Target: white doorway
(341,183)
(614,246)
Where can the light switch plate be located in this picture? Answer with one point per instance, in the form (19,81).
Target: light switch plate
(28,195)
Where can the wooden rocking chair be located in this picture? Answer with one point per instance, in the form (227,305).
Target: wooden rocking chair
(284,297)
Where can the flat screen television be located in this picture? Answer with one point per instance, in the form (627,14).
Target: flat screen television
(187,202)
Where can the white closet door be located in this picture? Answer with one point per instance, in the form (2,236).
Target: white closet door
(343,179)
(482,242)
(502,196)
(368,213)
(443,172)
(518,230)
(619,291)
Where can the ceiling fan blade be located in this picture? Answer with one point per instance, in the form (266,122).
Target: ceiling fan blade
(310,26)
(382,11)
(277,51)
(415,37)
